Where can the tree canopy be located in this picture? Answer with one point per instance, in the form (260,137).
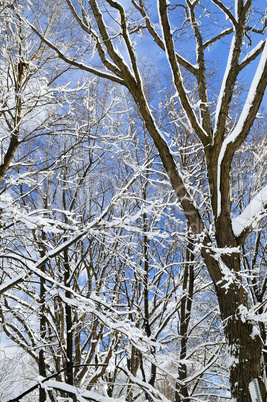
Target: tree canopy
(133,199)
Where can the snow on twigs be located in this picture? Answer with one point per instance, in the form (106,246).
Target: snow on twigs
(12,282)
(81,395)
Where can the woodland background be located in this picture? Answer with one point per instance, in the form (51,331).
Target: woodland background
(132,200)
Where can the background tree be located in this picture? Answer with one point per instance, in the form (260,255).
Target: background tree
(219,135)
(118,271)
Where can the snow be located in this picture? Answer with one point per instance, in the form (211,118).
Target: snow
(217,252)
(12,282)
(5,201)
(217,112)
(255,332)
(251,96)
(251,214)
(232,361)
(227,275)
(257,47)
(182,87)
(81,395)
(80,65)
(254,390)
(136,336)
(156,395)
(231,138)
(227,69)
(87,228)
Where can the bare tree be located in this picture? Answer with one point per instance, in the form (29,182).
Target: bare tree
(115,30)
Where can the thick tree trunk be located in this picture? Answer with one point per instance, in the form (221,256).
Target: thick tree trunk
(244,343)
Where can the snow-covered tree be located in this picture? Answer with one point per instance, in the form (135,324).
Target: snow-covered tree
(133,197)
(189,37)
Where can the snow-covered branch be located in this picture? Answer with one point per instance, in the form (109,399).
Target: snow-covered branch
(251,215)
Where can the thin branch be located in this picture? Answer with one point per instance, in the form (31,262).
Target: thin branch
(227,12)
(157,39)
(74,63)
(39,383)
(218,37)
(177,78)
(90,32)
(252,55)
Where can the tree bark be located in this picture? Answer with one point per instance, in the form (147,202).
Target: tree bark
(244,346)
(186,306)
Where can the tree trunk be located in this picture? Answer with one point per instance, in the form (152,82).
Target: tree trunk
(42,370)
(181,392)
(69,330)
(244,345)
(42,365)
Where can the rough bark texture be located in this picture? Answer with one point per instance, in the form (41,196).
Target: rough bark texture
(186,306)
(42,367)
(244,347)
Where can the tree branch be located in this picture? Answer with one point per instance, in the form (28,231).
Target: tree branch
(177,78)
(227,12)
(73,63)
(157,39)
(90,32)
(252,214)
